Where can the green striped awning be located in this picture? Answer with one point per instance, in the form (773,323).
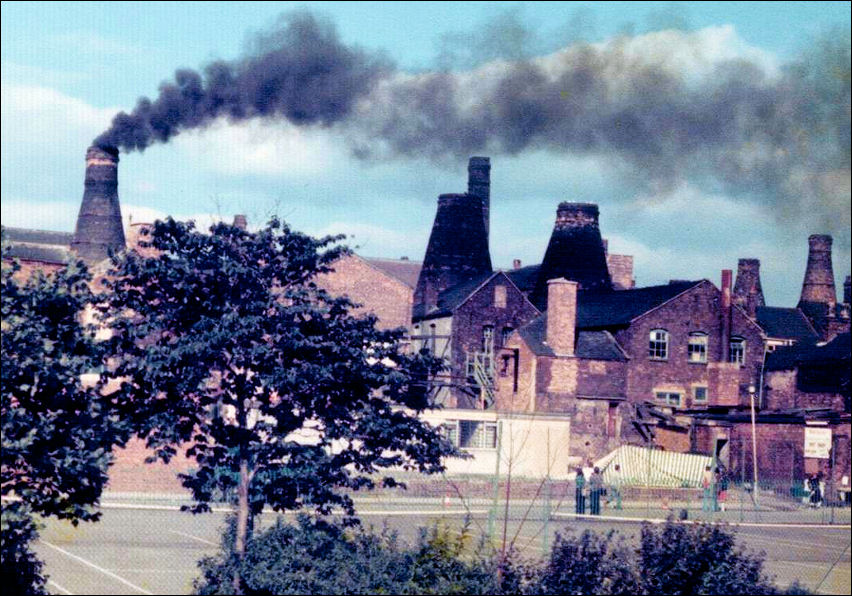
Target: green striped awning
(641,466)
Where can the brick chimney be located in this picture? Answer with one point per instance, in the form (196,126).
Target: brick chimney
(747,290)
(818,297)
(725,316)
(575,252)
(479,185)
(240,221)
(561,315)
(99,228)
(457,249)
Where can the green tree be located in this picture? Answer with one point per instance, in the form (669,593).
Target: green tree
(58,431)
(229,349)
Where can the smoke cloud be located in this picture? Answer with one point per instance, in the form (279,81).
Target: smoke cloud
(776,135)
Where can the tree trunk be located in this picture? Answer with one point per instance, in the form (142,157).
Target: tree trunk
(242,520)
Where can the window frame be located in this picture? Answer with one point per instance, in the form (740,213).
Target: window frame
(697,339)
(668,397)
(695,398)
(740,343)
(654,343)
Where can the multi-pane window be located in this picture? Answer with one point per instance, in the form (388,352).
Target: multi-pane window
(659,345)
(696,350)
(737,350)
(477,434)
(450,431)
(504,335)
(488,338)
(670,398)
(470,434)
(699,394)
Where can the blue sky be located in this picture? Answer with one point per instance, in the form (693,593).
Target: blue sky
(67,68)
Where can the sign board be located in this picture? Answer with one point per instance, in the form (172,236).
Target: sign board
(817,442)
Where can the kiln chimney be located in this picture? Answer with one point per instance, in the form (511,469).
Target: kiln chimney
(575,252)
(818,294)
(747,290)
(240,221)
(457,249)
(99,222)
(479,185)
(725,316)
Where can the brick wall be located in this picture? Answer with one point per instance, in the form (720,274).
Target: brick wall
(782,393)
(621,271)
(379,293)
(480,310)
(697,310)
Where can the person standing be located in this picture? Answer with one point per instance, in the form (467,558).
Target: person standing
(595,489)
(707,486)
(615,486)
(579,496)
(721,488)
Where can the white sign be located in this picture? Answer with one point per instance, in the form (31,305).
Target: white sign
(817,442)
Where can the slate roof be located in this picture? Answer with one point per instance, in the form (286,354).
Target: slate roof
(26,236)
(612,308)
(451,298)
(593,345)
(46,254)
(785,323)
(525,277)
(833,353)
(405,271)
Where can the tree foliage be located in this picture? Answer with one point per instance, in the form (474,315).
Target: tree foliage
(228,348)
(58,431)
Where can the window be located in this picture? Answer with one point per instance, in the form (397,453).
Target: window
(696,350)
(433,343)
(488,338)
(504,335)
(450,431)
(670,398)
(500,296)
(477,434)
(699,395)
(659,345)
(737,351)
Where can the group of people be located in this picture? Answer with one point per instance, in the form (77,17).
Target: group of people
(715,487)
(594,488)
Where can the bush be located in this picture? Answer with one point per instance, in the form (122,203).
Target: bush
(590,564)
(313,556)
(317,557)
(697,559)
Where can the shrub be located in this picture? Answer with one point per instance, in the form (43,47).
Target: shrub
(22,570)
(590,564)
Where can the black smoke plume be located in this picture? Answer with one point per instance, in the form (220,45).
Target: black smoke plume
(299,71)
(781,138)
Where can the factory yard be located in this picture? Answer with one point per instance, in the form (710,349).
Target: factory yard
(154,549)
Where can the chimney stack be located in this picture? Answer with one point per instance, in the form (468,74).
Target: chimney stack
(516,264)
(240,222)
(457,249)
(99,226)
(479,185)
(818,297)
(561,316)
(726,315)
(748,292)
(575,252)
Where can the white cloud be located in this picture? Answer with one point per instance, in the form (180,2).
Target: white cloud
(41,118)
(60,216)
(261,148)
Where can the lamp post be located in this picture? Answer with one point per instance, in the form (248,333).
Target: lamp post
(751,392)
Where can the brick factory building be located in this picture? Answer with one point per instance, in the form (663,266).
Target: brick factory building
(571,340)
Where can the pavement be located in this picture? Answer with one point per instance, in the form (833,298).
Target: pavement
(153,548)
